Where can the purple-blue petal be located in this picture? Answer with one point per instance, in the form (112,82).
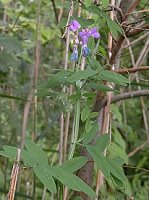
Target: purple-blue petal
(84,40)
(74,57)
(96,35)
(74,25)
(93,30)
(85,51)
(81,34)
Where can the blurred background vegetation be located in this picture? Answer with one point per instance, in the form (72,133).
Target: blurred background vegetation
(29,37)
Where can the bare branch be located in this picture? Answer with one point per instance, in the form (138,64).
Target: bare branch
(131,70)
(127,95)
(134,32)
(137,149)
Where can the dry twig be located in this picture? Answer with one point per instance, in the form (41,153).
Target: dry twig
(14,176)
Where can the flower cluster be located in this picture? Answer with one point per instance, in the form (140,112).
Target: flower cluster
(84,35)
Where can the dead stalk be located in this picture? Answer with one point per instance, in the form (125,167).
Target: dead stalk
(14,176)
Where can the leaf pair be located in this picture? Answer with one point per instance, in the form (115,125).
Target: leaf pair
(111,168)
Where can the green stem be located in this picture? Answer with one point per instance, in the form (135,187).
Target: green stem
(75,128)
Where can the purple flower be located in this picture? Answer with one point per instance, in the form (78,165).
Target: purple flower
(74,56)
(85,51)
(94,33)
(84,35)
(74,25)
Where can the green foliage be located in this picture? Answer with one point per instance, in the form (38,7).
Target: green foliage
(105,3)
(60,90)
(99,87)
(102,142)
(113,77)
(111,170)
(84,22)
(88,137)
(10,43)
(80,75)
(36,158)
(74,164)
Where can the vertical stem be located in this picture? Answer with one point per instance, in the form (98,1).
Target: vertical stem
(106,111)
(61,138)
(62,133)
(36,68)
(75,129)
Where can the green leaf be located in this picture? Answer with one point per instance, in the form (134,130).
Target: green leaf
(74,164)
(113,26)
(87,2)
(113,77)
(109,167)
(71,181)
(99,159)
(74,97)
(119,184)
(94,114)
(7,61)
(88,125)
(9,152)
(116,170)
(45,177)
(105,3)
(94,64)
(116,151)
(116,113)
(28,159)
(93,9)
(79,75)
(84,22)
(58,78)
(102,142)
(10,43)
(85,113)
(119,139)
(98,86)
(88,137)
(36,152)
(89,94)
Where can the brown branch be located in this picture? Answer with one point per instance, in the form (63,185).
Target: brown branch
(133,6)
(126,8)
(116,49)
(124,96)
(121,39)
(137,149)
(138,30)
(131,70)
